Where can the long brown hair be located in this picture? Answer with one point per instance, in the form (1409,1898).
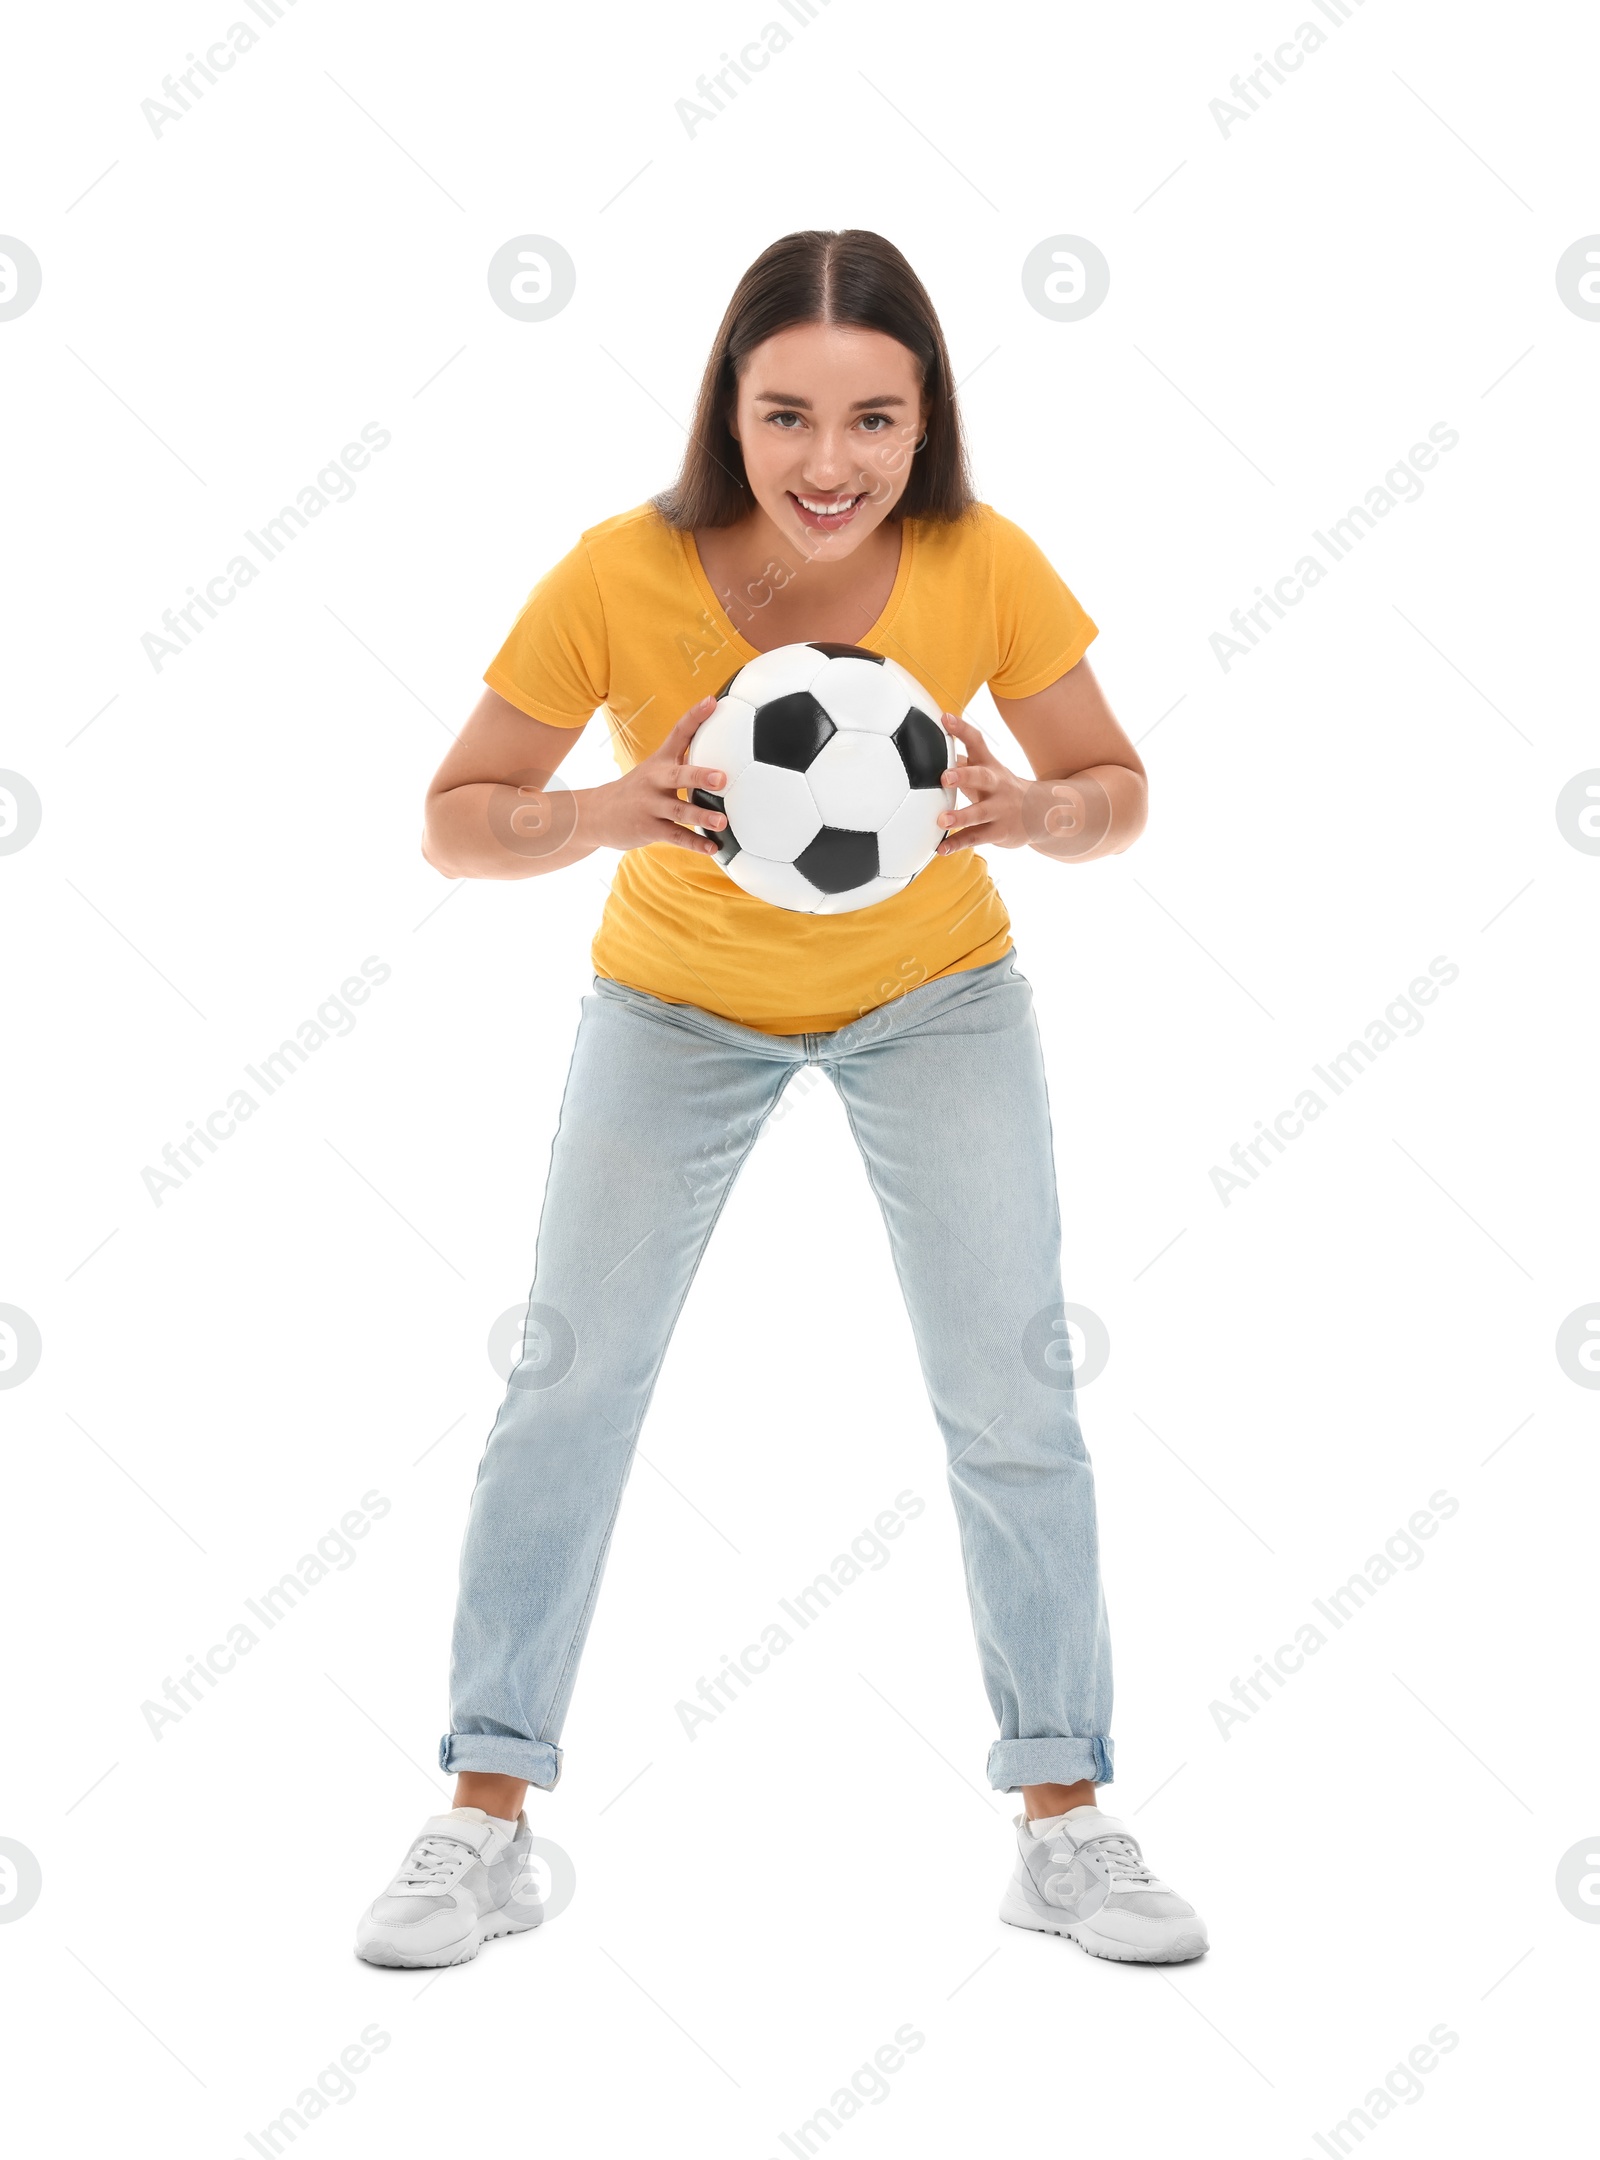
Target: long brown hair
(853,277)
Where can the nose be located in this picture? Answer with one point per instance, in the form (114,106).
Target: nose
(830,466)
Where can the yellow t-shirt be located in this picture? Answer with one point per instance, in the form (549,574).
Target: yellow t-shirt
(628,620)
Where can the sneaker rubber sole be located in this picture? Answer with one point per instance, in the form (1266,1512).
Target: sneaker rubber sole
(1016,1912)
(461,1953)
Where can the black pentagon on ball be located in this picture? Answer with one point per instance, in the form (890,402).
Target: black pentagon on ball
(791,730)
(923,750)
(839,860)
(845,652)
(727,845)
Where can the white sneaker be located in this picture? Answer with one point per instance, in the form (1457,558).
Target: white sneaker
(1082,1875)
(464,1881)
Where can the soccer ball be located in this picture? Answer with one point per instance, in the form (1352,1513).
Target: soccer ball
(833,756)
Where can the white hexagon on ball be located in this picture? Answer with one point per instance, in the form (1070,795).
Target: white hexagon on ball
(772,811)
(857,780)
(727,740)
(861,694)
(777,673)
(910,837)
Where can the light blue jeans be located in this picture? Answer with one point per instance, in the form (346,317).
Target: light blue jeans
(944,1088)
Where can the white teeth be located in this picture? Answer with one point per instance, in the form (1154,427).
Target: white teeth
(830,509)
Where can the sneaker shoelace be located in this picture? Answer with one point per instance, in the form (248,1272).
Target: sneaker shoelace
(430,1860)
(1128,1868)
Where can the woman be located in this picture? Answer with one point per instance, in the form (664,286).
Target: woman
(824,497)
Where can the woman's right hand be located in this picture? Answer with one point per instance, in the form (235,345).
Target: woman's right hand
(643,807)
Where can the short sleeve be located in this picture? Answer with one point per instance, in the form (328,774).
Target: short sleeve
(555,665)
(1040,628)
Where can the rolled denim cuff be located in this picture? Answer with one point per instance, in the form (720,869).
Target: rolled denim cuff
(1015,1763)
(503,1755)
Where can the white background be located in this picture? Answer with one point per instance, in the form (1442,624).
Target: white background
(223,842)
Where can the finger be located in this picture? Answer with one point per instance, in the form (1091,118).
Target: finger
(683,734)
(971,779)
(973,827)
(711,777)
(972,739)
(966,814)
(681,836)
(694,813)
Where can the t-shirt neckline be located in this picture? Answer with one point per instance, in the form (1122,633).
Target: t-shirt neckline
(724,621)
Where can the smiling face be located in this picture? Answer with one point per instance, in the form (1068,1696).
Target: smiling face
(828,416)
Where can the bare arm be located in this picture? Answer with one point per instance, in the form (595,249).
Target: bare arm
(1089,796)
(492,813)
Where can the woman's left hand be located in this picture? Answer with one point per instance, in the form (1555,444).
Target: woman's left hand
(992,814)
(1063,818)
